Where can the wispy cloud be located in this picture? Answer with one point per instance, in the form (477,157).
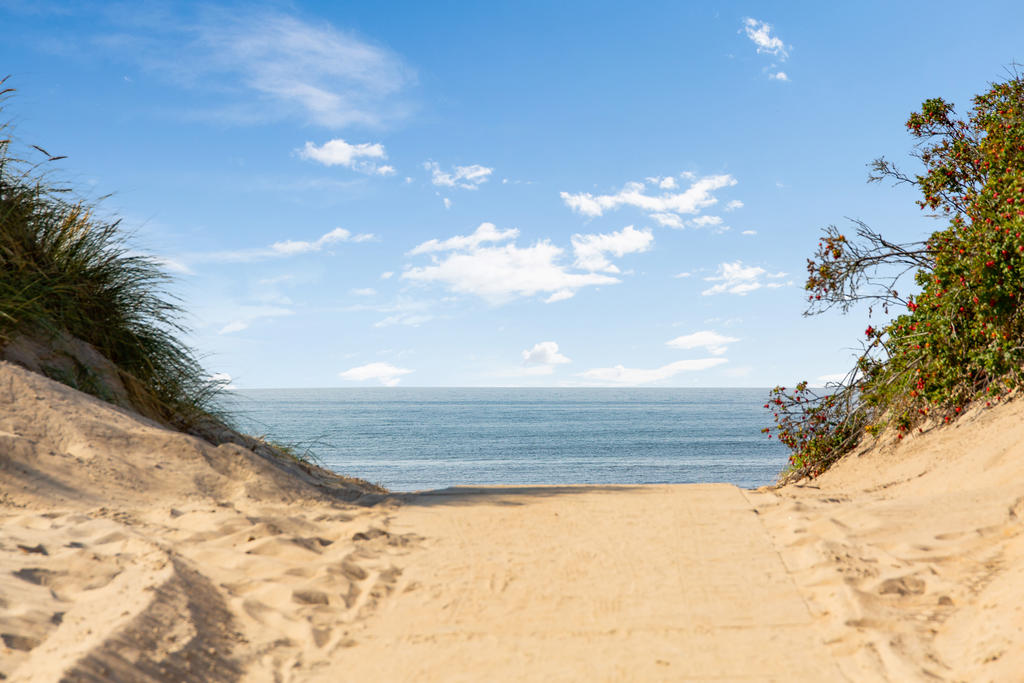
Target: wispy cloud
(408,319)
(337,152)
(736,278)
(714,343)
(332,77)
(264,65)
(490,265)
(832,378)
(760,33)
(242,316)
(171,265)
(283,248)
(486,232)
(385,373)
(633,376)
(403,311)
(667,207)
(466,177)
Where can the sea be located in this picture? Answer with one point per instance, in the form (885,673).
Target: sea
(411,439)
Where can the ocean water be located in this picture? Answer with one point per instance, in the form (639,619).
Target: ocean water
(409,439)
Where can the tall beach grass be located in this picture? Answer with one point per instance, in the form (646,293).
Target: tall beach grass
(67,277)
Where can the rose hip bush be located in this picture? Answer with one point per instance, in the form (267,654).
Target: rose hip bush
(960,337)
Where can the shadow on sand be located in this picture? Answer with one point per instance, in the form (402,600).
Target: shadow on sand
(504,495)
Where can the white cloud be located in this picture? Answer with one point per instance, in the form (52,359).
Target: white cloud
(779,76)
(733,205)
(486,232)
(409,319)
(224,380)
(749,232)
(666,208)
(285,248)
(466,177)
(292,247)
(266,66)
(591,250)
(386,275)
(715,343)
(632,376)
(832,378)
(761,34)
(447,202)
(705,221)
(233,326)
(403,311)
(171,265)
(561,295)
(544,354)
(682,275)
(365,291)
(337,152)
(666,183)
(735,278)
(668,220)
(385,373)
(501,272)
(242,316)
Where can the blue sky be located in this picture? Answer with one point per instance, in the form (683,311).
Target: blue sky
(496,194)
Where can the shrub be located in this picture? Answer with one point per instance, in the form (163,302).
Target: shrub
(960,338)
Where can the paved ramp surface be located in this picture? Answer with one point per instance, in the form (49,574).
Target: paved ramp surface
(588,583)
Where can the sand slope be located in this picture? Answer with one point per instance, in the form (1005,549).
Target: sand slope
(912,555)
(128,552)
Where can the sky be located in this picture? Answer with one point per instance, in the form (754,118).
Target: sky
(496,194)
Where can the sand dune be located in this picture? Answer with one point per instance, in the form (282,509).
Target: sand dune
(911,557)
(128,552)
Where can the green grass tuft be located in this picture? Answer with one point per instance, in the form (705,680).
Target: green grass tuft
(67,276)
(79,306)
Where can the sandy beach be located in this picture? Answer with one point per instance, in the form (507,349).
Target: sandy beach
(130,552)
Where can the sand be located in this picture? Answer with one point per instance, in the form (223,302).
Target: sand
(129,552)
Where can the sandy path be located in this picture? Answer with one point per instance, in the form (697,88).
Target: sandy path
(131,553)
(589,583)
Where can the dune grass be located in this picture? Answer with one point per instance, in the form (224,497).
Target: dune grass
(82,307)
(64,272)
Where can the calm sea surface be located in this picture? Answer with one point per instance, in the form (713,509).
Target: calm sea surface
(411,439)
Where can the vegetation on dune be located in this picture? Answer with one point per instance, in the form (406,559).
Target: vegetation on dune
(960,338)
(68,278)
(78,305)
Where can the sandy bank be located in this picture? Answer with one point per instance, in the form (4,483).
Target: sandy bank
(128,552)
